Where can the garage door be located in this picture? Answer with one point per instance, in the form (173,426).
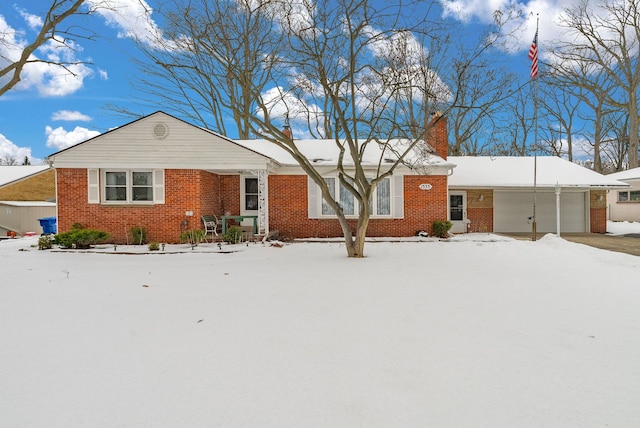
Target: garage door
(513,209)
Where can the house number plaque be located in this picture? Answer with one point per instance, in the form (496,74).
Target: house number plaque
(425,186)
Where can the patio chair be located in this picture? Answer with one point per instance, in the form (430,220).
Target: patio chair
(211,226)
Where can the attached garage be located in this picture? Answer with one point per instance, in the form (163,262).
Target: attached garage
(513,209)
(498,192)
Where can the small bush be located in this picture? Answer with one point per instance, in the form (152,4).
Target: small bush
(193,237)
(154,246)
(80,238)
(233,235)
(45,242)
(138,235)
(441,228)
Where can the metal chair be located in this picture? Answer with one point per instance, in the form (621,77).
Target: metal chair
(211,226)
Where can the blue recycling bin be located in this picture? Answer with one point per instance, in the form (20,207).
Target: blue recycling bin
(48,225)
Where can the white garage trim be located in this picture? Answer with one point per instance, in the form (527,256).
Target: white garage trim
(512,211)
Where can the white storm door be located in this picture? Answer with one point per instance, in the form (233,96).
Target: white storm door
(458,211)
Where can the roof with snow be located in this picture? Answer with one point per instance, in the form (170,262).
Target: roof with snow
(507,171)
(11,173)
(325,152)
(630,174)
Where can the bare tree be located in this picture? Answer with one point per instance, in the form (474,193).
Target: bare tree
(608,36)
(213,57)
(482,88)
(361,73)
(8,160)
(614,148)
(560,109)
(54,28)
(592,85)
(516,127)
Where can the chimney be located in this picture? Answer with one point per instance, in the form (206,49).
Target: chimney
(287,132)
(436,134)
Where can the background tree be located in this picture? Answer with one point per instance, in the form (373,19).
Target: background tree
(213,57)
(8,160)
(607,36)
(54,27)
(559,116)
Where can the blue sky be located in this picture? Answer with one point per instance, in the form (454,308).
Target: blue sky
(51,111)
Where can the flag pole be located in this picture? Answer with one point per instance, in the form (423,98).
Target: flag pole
(533,56)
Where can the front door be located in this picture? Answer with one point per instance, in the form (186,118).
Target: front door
(458,211)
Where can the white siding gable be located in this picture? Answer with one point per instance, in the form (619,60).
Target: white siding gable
(160,141)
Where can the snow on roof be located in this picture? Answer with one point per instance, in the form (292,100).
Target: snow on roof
(630,174)
(10,173)
(325,152)
(506,171)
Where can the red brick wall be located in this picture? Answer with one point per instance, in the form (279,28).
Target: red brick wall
(481,219)
(185,190)
(598,211)
(480,212)
(436,136)
(598,220)
(207,193)
(229,194)
(288,209)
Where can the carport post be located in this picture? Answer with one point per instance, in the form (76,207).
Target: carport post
(558,188)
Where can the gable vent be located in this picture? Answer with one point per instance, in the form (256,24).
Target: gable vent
(160,131)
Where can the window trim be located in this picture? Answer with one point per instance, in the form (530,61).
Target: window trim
(356,209)
(628,194)
(243,194)
(157,183)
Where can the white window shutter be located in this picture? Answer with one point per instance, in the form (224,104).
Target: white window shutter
(312,197)
(398,196)
(158,186)
(93,186)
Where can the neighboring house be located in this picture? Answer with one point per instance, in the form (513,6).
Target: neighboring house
(624,204)
(26,194)
(496,194)
(162,173)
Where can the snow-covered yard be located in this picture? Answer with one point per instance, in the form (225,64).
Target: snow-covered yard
(480,331)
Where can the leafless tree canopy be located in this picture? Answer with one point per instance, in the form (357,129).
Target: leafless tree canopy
(602,58)
(357,72)
(55,27)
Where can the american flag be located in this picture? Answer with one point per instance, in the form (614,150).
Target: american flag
(533,56)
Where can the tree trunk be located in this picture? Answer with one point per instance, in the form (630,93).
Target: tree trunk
(355,244)
(597,139)
(632,150)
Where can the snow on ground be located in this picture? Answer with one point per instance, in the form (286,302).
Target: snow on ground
(622,227)
(479,331)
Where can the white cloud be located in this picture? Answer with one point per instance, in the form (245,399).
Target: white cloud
(522,28)
(33,21)
(59,138)
(47,79)
(103,74)
(284,105)
(70,116)
(132,18)
(8,150)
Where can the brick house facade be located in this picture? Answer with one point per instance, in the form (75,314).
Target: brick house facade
(162,173)
(214,185)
